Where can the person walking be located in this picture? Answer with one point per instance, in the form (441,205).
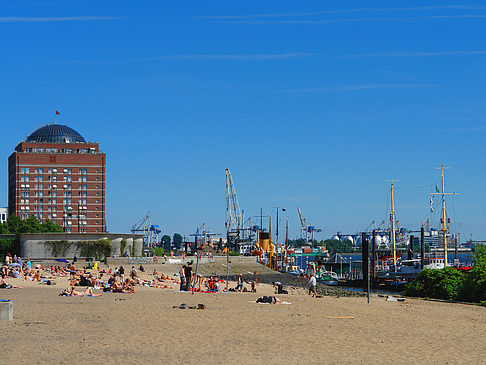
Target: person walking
(312,285)
(188,275)
(182,275)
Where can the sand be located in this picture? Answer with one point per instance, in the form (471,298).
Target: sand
(145,328)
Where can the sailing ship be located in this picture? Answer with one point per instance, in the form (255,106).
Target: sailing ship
(401,271)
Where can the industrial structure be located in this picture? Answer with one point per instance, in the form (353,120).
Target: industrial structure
(55,174)
(307,232)
(149,231)
(3,215)
(233,212)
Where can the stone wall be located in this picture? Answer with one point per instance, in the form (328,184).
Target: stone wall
(32,245)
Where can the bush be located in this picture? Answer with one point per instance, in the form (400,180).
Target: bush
(98,249)
(474,289)
(123,246)
(447,283)
(159,251)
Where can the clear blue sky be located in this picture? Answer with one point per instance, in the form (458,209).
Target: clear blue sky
(307,103)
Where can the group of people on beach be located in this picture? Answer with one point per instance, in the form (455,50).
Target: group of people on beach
(195,281)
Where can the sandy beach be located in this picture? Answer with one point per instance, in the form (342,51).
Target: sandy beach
(145,328)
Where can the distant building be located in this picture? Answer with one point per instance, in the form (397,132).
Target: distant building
(3,215)
(55,174)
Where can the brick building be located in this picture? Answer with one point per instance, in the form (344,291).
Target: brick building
(55,174)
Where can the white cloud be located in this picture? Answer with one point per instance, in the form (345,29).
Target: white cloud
(229,57)
(341,11)
(357,87)
(417,54)
(356,20)
(22,19)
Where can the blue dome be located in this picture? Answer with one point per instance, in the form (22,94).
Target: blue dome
(55,133)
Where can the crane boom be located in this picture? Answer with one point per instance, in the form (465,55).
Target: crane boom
(233,212)
(302,220)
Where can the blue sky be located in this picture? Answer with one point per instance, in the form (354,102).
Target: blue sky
(307,103)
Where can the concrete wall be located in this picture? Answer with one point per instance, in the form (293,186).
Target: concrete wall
(32,244)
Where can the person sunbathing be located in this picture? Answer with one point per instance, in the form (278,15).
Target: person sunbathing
(269,299)
(74,293)
(37,276)
(128,287)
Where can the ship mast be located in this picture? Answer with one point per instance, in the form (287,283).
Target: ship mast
(443,220)
(392,220)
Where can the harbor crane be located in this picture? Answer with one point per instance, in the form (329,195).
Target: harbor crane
(203,236)
(150,231)
(306,231)
(233,213)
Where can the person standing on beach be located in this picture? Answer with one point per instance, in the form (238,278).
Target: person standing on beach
(312,285)
(121,272)
(182,275)
(188,275)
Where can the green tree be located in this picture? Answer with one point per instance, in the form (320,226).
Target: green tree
(475,284)
(337,246)
(177,240)
(165,240)
(50,226)
(446,283)
(15,225)
(123,246)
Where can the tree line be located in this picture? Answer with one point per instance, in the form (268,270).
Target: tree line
(15,225)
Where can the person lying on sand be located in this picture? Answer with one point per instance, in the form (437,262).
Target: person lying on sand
(5,285)
(269,299)
(74,293)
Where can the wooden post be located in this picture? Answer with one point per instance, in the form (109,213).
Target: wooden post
(364,264)
(373,259)
(195,274)
(227,268)
(410,249)
(422,248)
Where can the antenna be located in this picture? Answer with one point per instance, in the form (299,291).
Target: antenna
(393,221)
(443,219)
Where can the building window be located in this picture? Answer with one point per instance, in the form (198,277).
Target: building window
(25,170)
(68,179)
(39,170)
(83,171)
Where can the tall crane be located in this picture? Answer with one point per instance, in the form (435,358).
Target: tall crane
(150,232)
(203,236)
(307,232)
(303,228)
(233,212)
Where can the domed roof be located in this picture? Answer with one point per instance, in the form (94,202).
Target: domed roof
(55,133)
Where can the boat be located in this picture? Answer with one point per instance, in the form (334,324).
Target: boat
(323,276)
(328,278)
(398,270)
(293,270)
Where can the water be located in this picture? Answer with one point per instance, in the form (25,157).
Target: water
(465,258)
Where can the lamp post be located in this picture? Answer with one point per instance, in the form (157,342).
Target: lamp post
(276,245)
